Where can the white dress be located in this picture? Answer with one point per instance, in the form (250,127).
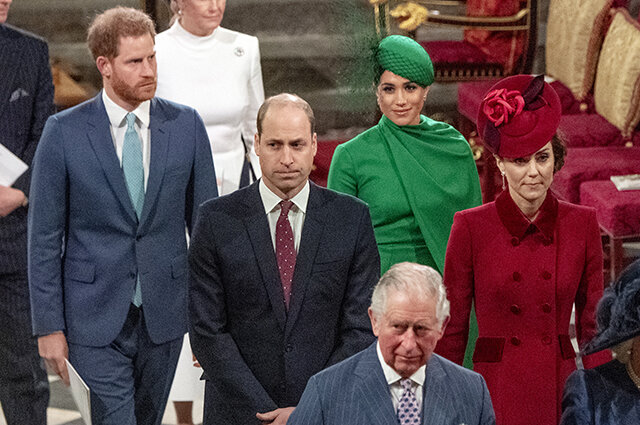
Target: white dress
(220,76)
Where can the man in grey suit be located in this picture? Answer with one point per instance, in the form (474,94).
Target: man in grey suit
(399,379)
(26,101)
(280,275)
(115,181)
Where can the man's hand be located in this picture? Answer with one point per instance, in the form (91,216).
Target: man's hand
(275,417)
(10,199)
(54,350)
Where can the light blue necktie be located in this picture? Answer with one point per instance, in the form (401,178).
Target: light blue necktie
(134,176)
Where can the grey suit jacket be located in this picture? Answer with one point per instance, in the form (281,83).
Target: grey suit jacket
(258,356)
(355,392)
(26,101)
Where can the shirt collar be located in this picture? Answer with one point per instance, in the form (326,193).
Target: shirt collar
(392,376)
(117,113)
(270,200)
(518,225)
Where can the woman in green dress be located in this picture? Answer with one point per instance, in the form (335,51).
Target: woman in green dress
(414,172)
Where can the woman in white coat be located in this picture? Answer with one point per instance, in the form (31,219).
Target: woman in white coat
(217,72)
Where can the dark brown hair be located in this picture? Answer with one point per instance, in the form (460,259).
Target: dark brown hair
(559,151)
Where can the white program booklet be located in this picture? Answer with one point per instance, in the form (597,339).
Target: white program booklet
(627,182)
(80,393)
(11,167)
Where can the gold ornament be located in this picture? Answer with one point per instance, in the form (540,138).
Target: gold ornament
(410,15)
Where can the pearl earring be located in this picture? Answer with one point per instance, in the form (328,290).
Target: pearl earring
(504,185)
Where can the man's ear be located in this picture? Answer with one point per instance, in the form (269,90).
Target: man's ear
(256,143)
(374,321)
(104,66)
(444,326)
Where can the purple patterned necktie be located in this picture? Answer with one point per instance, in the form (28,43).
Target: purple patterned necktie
(408,413)
(285,250)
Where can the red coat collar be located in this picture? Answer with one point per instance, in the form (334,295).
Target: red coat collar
(519,226)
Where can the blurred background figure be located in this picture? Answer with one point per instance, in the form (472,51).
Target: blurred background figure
(217,72)
(610,394)
(523,260)
(412,171)
(26,101)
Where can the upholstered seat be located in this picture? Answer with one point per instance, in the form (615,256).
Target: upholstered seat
(618,214)
(587,164)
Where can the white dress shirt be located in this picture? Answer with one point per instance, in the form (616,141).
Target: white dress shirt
(393,380)
(297,213)
(117,118)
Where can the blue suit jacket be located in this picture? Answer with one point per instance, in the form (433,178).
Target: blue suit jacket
(257,355)
(85,242)
(26,101)
(355,392)
(604,395)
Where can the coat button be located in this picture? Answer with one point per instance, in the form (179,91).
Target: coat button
(546,307)
(547,241)
(546,275)
(132,275)
(515,241)
(288,348)
(517,276)
(138,237)
(515,341)
(546,340)
(515,309)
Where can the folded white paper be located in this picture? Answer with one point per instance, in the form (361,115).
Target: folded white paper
(11,167)
(628,182)
(80,393)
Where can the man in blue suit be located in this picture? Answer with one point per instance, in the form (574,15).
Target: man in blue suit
(26,101)
(115,181)
(399,380)
(280,275)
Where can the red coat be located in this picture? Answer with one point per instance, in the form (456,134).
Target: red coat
(524,277)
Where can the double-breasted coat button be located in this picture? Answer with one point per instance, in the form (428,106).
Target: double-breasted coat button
(515,241)
(517,276)
(515,341)
(546,275)
(515,309)
(546,307)
(546,340)
(288,348)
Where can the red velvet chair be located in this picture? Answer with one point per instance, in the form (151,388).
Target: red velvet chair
(618,215)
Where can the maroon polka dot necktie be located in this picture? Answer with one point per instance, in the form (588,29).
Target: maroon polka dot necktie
(408,413)
(285,250)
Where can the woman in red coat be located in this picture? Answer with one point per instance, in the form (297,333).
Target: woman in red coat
(524,260)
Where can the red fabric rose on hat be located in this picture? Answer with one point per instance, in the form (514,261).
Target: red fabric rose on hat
(501,105)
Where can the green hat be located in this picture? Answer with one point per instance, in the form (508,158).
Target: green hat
(405,57)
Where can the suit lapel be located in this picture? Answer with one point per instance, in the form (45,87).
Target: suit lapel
(11,58)
(99,134)
(159,146)
(374,396)
(436,402)
(311,235)
(260,236)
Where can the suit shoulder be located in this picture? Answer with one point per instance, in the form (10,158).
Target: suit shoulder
(234,202)
(343,368)
(455,370)
(23,35)
(171,106)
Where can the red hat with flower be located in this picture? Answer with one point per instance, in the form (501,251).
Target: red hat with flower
(518,116)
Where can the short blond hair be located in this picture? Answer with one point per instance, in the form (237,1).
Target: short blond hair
(107,28)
